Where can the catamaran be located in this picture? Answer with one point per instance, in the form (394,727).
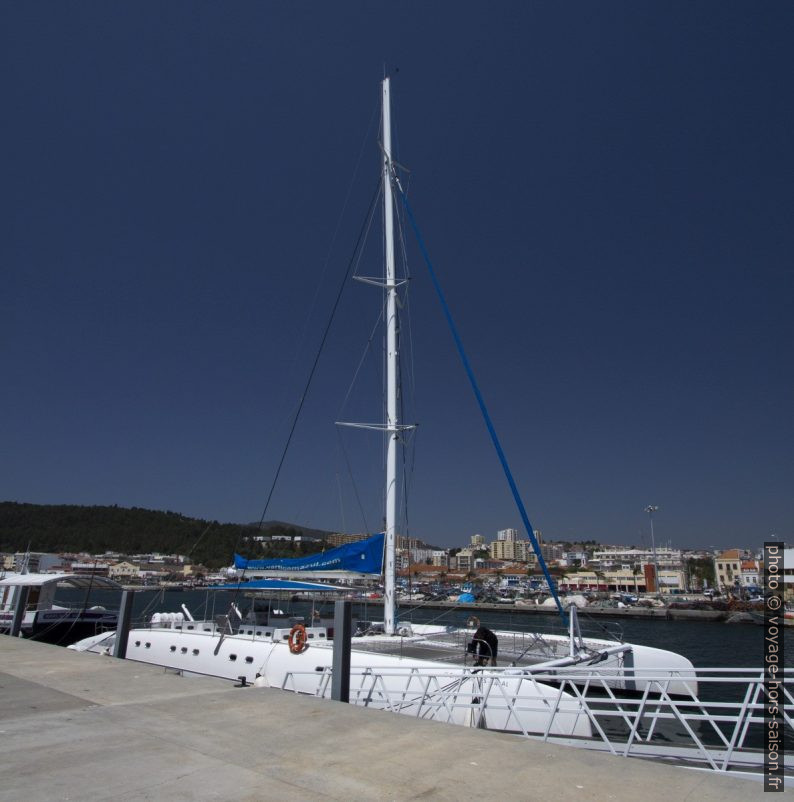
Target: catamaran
(265,647)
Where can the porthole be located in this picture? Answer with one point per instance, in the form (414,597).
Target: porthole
(232,657)
(195,651)
(184,650)
(148,645)
(173,648)
(137,643)
(249,659)
(191,626)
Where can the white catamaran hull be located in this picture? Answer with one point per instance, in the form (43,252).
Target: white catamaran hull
(270,662)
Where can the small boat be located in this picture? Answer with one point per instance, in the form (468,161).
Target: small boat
(46,621)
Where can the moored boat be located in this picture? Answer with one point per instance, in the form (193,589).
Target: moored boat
(264,648)
(46,621)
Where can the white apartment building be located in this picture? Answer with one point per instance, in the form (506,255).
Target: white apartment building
(752,574)
(507,535)
(625,557)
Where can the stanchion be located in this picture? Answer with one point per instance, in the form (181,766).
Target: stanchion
(343,632)
(123,625)
(20,604)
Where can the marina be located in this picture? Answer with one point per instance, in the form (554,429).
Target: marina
(234,347)
(263,644)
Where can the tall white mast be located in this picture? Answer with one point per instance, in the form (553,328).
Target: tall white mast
(391,370)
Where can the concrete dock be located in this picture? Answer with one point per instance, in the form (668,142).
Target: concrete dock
(84,727)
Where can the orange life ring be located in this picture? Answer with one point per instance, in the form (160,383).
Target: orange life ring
(297,639)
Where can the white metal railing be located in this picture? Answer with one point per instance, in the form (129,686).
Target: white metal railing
(717,723)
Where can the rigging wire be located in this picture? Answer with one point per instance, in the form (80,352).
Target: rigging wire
(483,409)
(352,479)
(310,315)
(320,350)
(367,350)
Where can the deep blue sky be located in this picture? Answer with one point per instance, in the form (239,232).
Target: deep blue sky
(605,189)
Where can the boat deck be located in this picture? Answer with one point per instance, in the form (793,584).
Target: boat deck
(519,649)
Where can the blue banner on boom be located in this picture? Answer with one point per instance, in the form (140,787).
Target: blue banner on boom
(362,557)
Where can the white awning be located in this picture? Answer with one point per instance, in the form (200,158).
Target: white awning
(75,580)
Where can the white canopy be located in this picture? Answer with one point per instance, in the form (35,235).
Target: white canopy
(75,580)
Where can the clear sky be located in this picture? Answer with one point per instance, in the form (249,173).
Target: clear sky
(606,192)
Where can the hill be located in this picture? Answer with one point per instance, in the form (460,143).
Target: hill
(71,528)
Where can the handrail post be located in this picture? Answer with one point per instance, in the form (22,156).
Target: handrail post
(20,605)
(343,632)
(123,625)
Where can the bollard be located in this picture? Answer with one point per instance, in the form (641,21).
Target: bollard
(123,624)
(343,631)
(20,604)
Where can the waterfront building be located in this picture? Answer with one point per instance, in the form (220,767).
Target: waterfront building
(477,541)
(124,570)
(623,580)
(752,574)
(728,568)
(622,557)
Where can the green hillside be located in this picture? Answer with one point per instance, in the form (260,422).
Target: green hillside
(95,530)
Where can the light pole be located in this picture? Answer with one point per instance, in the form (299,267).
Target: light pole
(651,510)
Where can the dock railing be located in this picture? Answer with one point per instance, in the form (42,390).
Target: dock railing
(716,723)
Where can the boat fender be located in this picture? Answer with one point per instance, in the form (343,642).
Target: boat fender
(261,682)
(405,631)
(297,639)
(472,622)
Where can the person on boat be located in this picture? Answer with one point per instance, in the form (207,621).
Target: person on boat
(486,645)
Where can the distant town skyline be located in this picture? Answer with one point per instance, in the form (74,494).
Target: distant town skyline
(606,198)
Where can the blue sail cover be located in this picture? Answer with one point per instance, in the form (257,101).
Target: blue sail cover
(361,557)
